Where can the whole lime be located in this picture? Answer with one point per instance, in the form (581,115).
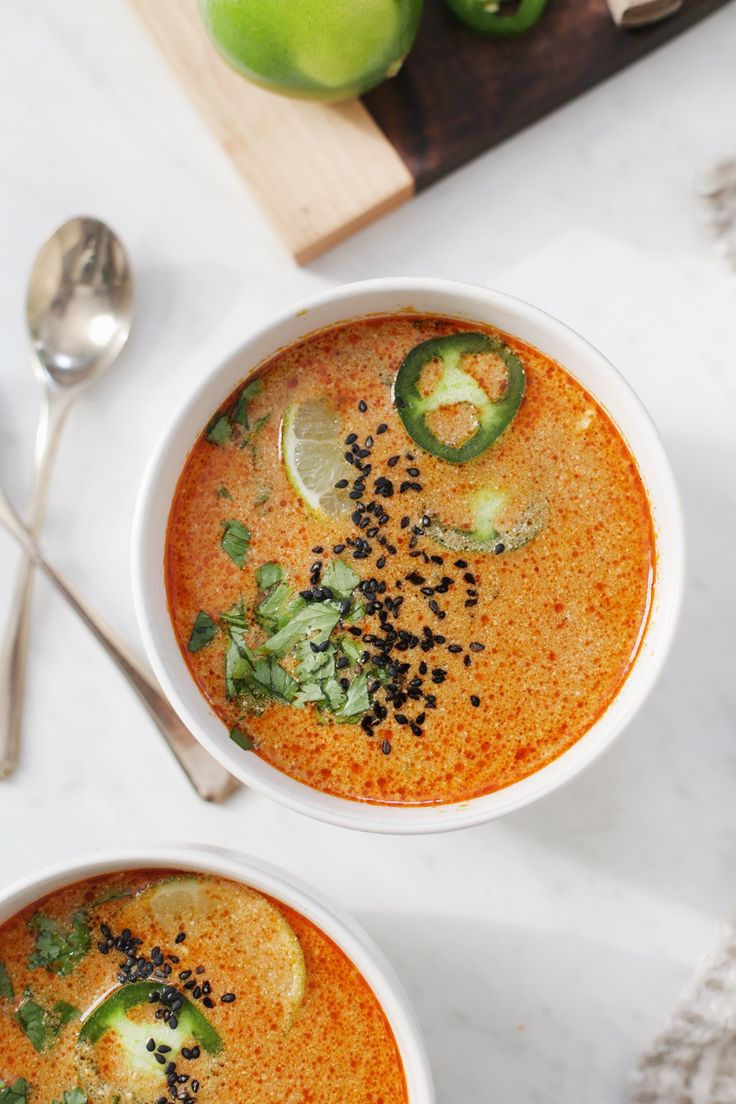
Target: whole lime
(317,49)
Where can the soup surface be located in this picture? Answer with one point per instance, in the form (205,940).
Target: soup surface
(155,986)
(405,572)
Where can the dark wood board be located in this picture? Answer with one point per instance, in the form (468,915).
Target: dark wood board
(459,93)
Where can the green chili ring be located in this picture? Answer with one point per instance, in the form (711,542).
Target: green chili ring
(488,16)
(455,385)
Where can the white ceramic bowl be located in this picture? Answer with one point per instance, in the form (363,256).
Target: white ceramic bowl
(475,304)
(339,926)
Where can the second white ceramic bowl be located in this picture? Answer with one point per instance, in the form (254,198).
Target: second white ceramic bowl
(474,304)
(339,926)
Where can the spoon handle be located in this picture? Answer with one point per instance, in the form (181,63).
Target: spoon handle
(54,407)
(211,781)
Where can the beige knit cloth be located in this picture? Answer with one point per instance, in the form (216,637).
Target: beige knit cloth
(693,1060)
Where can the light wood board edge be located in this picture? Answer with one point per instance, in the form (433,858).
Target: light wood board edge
(319,172)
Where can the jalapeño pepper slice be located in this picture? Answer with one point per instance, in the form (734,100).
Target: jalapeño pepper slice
(125,1066)
(500,523)
(489,17)
(447,412)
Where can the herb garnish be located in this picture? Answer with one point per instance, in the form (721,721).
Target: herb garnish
(6,985)
(235,541)
(224,493)
(239,737)
(204,632)
(17,1093)
(222,427)
(75,1096)
(268,574)
(55,949)
(43,1026)
(316,621)
(301,628)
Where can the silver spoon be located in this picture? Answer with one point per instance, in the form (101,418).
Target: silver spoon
(78,310)
(211,781)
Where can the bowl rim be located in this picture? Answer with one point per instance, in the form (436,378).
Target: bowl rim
(340,302)
(338,925)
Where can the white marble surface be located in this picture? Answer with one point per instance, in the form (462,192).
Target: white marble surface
(540,952)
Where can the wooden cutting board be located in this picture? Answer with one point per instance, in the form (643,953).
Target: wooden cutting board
(320,172)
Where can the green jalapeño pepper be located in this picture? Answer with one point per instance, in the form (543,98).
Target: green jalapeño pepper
(443,407)
(489,17)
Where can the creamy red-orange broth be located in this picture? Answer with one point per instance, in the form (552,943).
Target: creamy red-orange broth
(332,1045)
(536,641)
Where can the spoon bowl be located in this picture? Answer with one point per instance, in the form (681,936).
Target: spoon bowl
(79,304)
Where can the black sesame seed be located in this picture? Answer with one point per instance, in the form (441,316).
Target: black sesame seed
(362,406)
(386,747)
(163,1048)
(382,428)
(467,660)
(393,461)
(461,564)
(151,1045)
(227,998)
(455,648)
(476,646)
(338,548)
(499,548)
(160,1059)
(474,700)
(208,1002)
(351,438)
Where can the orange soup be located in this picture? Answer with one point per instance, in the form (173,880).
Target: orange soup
(155,986)
(410,562)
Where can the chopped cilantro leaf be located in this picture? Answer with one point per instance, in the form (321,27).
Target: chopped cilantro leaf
(41,1026)
(268,574)
(204,631)
(274,680)
(247,675)
(358,699)
(239,737)
(55,949)
(6,985)
(240,413)
(219,430)
(224,493)
(314,665)
(76,1096)
(278,607)
(308,692)
(235,618)
(316,620)
(340,578)
(239,665)
(16,1093)
(350,647)
(235,541)
(334,694)
(263,496)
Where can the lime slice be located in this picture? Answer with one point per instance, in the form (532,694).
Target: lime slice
(271,952)
(319,49)
(312,451)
